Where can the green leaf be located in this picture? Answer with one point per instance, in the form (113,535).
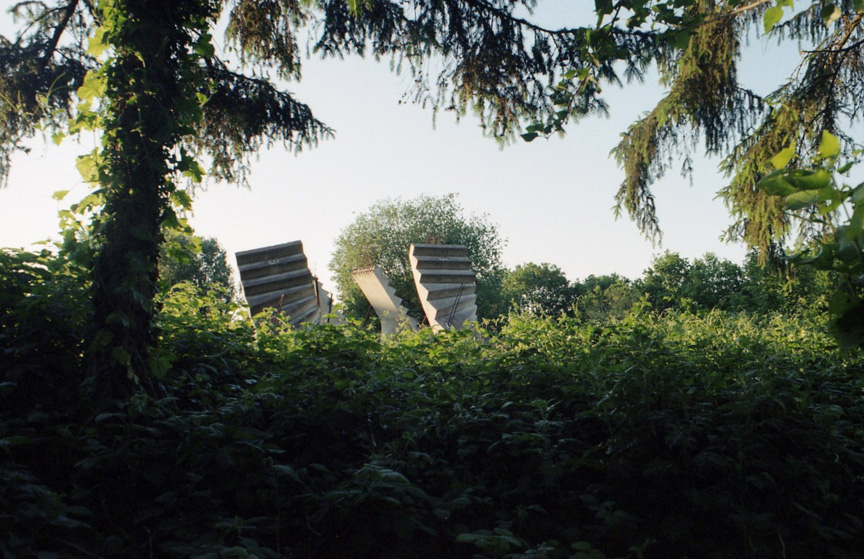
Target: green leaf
(842,302)
(529,136)
(96,45)
(60,194)
(204,46)
(182,199)
(858,194)
(772,17)
(802,199)
(782,159)
(845,168)
(809,179)
(682,39)
(786,3)
(775,184)
(829,146)
(88,168)
(93,86)
(830,14)
(120,355)
(858,5)
(856,223)
(603,6)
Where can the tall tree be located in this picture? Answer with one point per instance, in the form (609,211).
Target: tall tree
(159,95)
(600,299)
(539,289)
(665,280)
(382,235)
(199,260)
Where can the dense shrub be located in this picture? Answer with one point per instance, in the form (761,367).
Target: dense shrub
(677,436)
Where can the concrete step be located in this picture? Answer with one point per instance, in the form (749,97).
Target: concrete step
(444,307)
(275,266)
(435,263)
(446,276)
(279,282)
(287,295)
(269,253)
(419,250)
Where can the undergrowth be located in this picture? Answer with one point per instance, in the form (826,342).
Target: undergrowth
(701,436)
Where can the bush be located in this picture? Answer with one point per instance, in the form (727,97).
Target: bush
(718,435)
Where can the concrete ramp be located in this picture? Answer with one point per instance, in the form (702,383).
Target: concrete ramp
(278,276)
(446,284)
(375,285)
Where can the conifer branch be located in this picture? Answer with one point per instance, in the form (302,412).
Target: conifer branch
(58,32)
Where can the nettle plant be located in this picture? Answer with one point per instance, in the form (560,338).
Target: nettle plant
(819,195)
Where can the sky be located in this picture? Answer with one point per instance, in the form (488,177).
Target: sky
(551,199)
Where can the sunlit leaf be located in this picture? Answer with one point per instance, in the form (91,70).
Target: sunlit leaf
(88,167)
(829,146)
(93,86)
(772,17)
(96,45)
(782,159)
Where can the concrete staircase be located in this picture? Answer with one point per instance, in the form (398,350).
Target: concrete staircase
(446,284)
(278,276)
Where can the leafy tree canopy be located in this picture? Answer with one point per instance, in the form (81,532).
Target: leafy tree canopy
(538,289)
(521,77)
(382,235)
(200,261)
(755,134)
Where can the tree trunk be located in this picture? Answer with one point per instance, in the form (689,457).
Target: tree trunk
(147,92)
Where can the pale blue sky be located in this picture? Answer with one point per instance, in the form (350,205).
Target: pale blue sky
(551,199)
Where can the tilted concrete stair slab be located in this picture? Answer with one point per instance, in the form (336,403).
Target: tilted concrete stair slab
(446,284)
(278,276)
(375,285)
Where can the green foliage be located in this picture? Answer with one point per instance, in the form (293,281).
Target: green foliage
(673,435)
(707,103)
(383,234)
(44,312)
(836,209)
(538,289)
(77,66)
(605,298)
(200,261)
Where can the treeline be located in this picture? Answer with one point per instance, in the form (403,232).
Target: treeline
(672,282)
